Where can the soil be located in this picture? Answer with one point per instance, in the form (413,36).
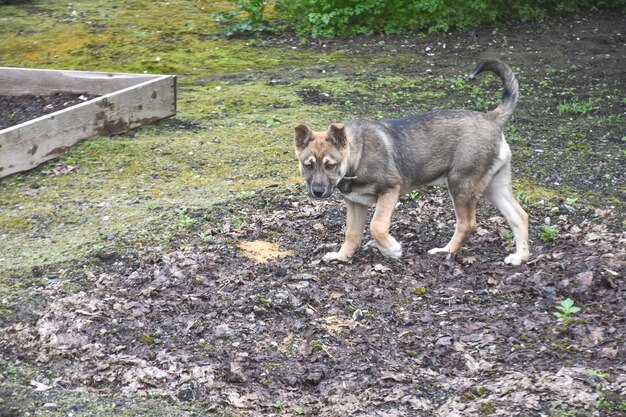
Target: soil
(426,335)
(241,318)
(19,109)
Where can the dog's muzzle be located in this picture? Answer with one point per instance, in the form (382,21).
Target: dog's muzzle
(320,191)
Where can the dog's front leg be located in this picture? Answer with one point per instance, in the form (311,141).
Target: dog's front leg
(357,214)
(382,221)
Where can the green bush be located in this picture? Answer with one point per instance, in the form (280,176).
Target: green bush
(330,18)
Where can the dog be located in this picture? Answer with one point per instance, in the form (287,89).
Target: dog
(379,161)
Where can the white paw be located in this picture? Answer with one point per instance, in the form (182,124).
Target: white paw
(515,259)
(333,256)
(438,250)
(394,251)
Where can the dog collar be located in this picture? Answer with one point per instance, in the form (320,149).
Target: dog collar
(345,185)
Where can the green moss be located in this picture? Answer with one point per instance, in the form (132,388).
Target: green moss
(265,301)
(563,345)
(317,346)
(146,339)
(403,302)
(486,408)
(419,291)
(133,36)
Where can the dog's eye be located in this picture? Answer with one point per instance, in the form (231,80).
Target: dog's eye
(308,167)
(330,166)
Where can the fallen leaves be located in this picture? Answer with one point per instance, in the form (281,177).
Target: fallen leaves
(30,192)
(63,169)
(39,386)
(247,325)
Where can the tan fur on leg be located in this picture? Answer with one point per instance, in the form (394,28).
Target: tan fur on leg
(355,224)
(382,221)
(465,225)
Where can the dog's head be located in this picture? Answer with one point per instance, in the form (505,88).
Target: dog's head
(323,158)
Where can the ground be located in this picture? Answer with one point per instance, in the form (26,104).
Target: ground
(175,270)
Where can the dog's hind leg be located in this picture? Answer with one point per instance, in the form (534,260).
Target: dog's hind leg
(500,193)
(355,224)
(465,210)
(381,221)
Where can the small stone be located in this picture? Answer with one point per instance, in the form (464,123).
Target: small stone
(281,271)
(236,373)
(314,376)
(185,394)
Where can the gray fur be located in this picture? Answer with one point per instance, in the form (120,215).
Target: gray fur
(377,161)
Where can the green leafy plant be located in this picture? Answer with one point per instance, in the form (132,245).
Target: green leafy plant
(593,373)
(514,136)
(236,223)
(413,195)
(569,204)
(279,405)
(575,107)
(254,17)
(598,376)
(253,8)
(611,404)
(460,83)
(183,220)
(565,310)
(547,233)
(508,236)
(272,122)
(266,301)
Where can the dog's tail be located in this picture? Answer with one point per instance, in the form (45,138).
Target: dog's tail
(511,89)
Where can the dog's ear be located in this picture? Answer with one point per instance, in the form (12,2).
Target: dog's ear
(302,136)
(337,133)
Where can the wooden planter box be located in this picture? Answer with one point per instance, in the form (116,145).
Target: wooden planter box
(126,101)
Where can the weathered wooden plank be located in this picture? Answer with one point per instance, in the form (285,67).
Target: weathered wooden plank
(24,81)
(24,146)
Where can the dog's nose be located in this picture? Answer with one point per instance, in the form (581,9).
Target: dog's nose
(318,190)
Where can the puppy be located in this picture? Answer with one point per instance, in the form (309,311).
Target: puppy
(375,162)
